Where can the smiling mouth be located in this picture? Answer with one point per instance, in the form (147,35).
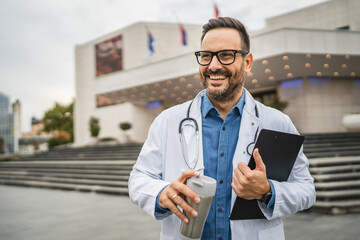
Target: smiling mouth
(217,77)
(217,80)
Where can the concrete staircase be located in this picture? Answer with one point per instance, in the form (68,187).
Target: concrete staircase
(335,166)
(103,169)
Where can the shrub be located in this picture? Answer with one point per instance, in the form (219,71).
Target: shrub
(125,126)
(107,139)
(94,126)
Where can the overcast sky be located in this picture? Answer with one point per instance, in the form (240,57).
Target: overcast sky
(38,37)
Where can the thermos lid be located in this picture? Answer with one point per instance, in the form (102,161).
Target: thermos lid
(202,185)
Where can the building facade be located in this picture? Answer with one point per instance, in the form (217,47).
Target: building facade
(309,59)
(9,125)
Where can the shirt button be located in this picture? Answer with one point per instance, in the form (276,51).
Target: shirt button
(220,238)
(223,128)
(220,210)
(222,154)
(221,181)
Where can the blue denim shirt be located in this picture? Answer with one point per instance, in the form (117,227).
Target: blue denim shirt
(219,143)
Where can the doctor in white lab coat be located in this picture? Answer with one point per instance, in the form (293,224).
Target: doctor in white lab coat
(160,167)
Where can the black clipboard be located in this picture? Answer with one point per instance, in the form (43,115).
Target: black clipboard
(279,151)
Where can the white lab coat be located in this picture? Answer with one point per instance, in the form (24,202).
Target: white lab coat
(160,162)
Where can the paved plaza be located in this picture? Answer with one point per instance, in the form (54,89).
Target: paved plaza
(47,214)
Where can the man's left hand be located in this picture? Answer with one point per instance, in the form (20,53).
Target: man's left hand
(251,184)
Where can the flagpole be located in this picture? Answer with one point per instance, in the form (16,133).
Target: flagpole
(177,17)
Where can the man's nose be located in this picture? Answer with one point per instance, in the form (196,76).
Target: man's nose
(215,64)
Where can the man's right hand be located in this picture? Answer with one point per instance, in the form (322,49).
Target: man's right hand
(174,195)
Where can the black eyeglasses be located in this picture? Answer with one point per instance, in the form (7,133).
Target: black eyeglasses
(225,57)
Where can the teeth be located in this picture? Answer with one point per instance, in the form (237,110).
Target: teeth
(216,77)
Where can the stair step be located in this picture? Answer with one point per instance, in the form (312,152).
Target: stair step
(74,158)
(336,177)
(60,170)
(74,154)
(331,161)
(331,142)
(332,153)
(66,186)
(338,194)
(315,136)
(335,169)
(337,185)
(72,166)
(88,152)
(336,148)
(68,175)
(322,143)
(338,203)
(66,180)
(102,162)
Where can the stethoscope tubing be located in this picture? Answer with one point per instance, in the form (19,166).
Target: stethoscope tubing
(188,118)
(249,148)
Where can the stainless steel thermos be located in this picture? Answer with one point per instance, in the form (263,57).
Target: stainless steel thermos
(205,187)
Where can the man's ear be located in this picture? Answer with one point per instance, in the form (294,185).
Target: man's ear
(248,62)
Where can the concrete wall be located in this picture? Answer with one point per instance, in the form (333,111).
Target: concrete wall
(138,68)
(313,41)
(140,117)
(328,15)
(318,105)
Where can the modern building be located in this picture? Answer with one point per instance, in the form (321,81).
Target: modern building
(36,140)
(309,59)
(10,126)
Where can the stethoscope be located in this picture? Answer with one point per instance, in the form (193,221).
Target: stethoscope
(195,126)
(250,147)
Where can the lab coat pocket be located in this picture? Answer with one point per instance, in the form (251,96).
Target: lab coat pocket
(276,232)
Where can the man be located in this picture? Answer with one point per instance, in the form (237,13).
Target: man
(228,119)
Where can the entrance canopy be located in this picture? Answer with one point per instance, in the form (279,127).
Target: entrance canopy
(279,55)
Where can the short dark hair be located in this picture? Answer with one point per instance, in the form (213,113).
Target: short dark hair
(228,22)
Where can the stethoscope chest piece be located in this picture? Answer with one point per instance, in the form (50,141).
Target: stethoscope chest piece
(250,148)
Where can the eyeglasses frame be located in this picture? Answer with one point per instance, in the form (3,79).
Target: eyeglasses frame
(242,52)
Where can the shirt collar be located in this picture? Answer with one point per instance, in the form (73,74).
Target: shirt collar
(207,106)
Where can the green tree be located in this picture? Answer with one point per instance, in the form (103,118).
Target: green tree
(277,104)
(60,118)
(94,126)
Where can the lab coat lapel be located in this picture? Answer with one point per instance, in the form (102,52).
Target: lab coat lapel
(196,114)
(249,124)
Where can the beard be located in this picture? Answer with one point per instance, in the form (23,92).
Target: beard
(235,84)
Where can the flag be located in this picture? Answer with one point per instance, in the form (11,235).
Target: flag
(183,35)
(151,41)
(216,10)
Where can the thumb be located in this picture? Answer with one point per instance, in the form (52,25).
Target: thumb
(260,165)
(188,174)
